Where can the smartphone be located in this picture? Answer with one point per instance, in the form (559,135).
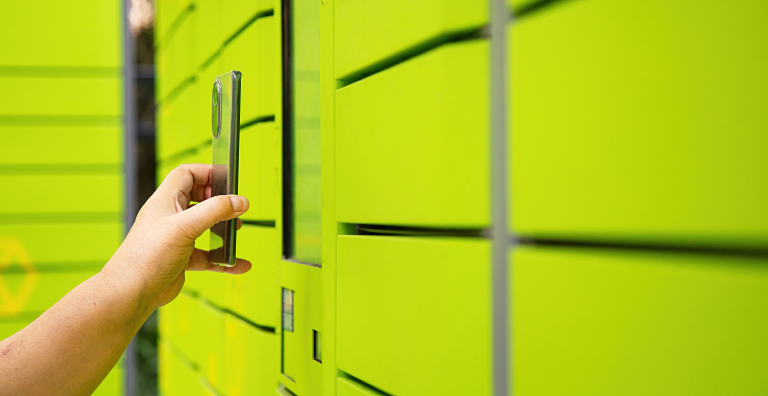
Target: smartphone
(226,140)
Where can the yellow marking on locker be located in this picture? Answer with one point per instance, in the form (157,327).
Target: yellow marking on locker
(12,251)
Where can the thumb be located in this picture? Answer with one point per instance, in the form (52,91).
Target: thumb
(206,214)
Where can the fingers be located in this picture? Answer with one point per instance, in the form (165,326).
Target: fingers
(199,262)
(239,224)
(189,179)
(205,214)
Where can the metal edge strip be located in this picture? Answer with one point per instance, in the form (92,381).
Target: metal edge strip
(130,168)
(500,201)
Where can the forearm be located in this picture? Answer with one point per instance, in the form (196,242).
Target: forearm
(71,347)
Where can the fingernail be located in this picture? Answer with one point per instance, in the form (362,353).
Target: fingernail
(238,202)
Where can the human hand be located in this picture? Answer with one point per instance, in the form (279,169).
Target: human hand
(161,243)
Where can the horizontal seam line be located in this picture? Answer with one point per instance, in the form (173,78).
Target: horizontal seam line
(363,384)
(640,247)
(387,230)
(534,7)
(412,52)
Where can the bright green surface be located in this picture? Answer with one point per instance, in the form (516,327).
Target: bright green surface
(642,120)
(76,33)
(60,244)
(210,32)
(185,123)
(349,388)
(412,142)
(306,131)
(167,12)
(35,291)
(62,194)
(256,295)
(592,322)
(176,59)
(256,53)
(306,282)
(9,328)
(112,385)
(252,357)
(415,305)
(100,97)
(177,325)
(64,145)
(368,31)
(260,153)
(175,376)
(213,367)
(239,12)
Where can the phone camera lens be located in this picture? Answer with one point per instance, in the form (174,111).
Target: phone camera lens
(216,109)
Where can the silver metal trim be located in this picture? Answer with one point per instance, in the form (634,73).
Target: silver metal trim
(500,201)
(130,137)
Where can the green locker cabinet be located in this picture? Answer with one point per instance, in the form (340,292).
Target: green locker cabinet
(176,60)
(412,142)
(299,371)
(98,148)
(213,366)
(641,121)
(256,53)
(260,154)
(415,305)
(70,194)
(176,377)
(252,357)
(75,100)
(238,13)
(618,321)
(347,387)
(372,33)
(256,294)
(61,245)
(50,36)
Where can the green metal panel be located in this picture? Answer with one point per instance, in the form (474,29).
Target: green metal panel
(11,327)
(252,357)
(210,32)
(349,388)
(113,384)
(177,325)
(100,146)
(412,142)
(59,245)
(299,372)
(638,120)
(184,124)
(214,366)
(415,305)
(305,131)
(608,322)
(256,295)
(176,377)
(32,291)
(95,101)
(176,57)
(369,32)
(70,34)
(256,53)
(260,153)
(237,13)
(169,14)
(62,194)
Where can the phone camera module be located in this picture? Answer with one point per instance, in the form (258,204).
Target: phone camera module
(216,109)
